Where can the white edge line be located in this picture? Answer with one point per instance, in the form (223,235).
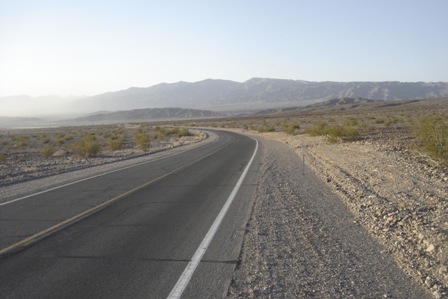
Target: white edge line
(85,179)
(184,279)
(75,182)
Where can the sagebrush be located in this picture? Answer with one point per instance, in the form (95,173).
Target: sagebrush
(432,136)
(87,147)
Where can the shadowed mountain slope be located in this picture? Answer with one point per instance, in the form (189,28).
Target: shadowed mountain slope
(147,115)
(221,95)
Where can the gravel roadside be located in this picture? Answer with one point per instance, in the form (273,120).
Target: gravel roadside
(303,242)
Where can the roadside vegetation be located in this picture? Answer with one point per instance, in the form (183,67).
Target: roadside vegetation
(20,141)
(432,136)
(422,129)
(141,138)
(419,129)
(116,143)
(265,127)
(47,151)
(87,141)
(290,129)
(87,147)
(334,132)
(162,132)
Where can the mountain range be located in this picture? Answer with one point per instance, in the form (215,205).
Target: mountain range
(258,93)
(251,95)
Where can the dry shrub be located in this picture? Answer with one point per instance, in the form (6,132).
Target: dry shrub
(87,147)
(432,136)
(142,139)
(116,143)
(47,151)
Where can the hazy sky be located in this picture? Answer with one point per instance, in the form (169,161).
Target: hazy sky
(89,47)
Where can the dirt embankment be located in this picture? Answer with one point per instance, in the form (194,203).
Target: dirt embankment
(400,200)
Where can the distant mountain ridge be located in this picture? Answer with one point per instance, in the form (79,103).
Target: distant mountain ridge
(225,95)
(359,104)
(346,101)
(149,114)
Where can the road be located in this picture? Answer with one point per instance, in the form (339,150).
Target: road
(131,233)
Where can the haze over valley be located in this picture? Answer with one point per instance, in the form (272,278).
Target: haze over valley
(208,98)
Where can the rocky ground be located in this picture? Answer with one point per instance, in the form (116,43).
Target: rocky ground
(32,172)
(24,162)
(398,199)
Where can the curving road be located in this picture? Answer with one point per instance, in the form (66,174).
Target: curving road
(131,233)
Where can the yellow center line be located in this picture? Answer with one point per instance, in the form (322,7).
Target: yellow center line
(40,235)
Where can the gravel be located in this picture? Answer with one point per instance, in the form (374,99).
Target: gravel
(386,193)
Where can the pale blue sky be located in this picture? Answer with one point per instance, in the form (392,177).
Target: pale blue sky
(89,47)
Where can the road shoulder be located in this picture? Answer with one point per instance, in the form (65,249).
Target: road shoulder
(303,241)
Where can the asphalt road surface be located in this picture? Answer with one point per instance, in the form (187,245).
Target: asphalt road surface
(131,233)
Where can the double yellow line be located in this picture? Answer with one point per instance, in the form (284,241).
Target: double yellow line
(46,232)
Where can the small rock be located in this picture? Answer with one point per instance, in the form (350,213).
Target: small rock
(59,153)
(428,281)
(437,294)
(430,248)
(443,269)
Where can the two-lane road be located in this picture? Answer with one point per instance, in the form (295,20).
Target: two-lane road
(132,232)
